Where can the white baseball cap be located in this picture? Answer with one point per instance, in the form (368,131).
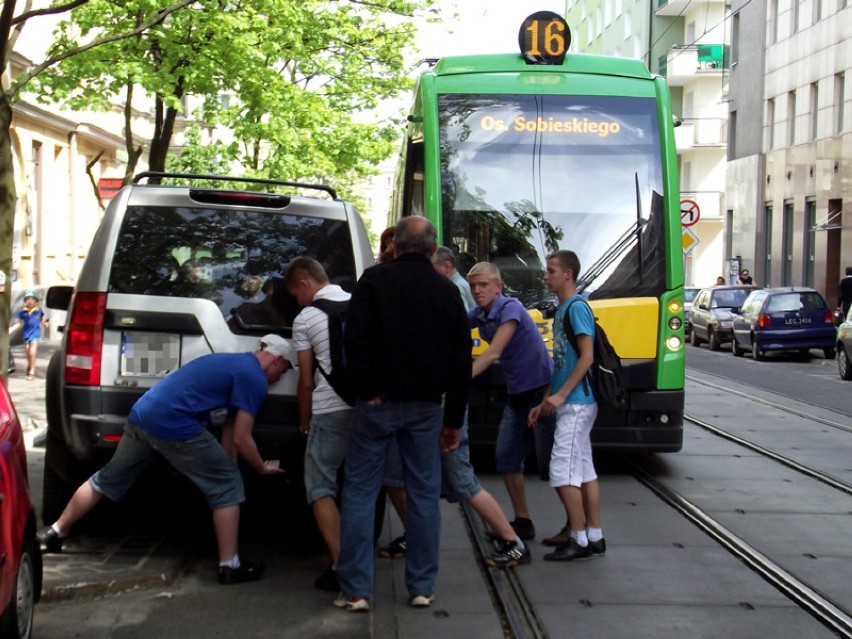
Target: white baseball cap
(276,345)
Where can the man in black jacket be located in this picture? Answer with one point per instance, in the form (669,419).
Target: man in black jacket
(408,349)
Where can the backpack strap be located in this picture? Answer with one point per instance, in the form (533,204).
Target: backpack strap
(572,338)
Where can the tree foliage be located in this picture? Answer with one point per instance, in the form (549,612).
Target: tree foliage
(286,79)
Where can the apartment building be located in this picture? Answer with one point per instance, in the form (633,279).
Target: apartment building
(789,177)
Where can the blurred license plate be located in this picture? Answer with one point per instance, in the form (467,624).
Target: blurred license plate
(149,354)
(796,321)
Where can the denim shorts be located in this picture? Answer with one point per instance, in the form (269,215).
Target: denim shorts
(200,458)
(328,440)
(516,441)
(458,480)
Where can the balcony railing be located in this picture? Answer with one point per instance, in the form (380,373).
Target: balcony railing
(684,63)
(701,132)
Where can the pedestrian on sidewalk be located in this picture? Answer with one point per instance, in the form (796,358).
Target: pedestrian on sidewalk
(407,304)
(514,339)
(324,417)
(171,418)
(572,471)
(33,320)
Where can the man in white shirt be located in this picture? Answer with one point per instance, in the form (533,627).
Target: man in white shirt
(324,417)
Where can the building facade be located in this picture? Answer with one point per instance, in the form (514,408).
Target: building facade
(789,174)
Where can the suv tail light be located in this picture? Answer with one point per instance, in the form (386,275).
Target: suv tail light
(85,333)
(764,320)
(828,318)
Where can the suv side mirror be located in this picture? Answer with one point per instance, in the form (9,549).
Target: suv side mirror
(59,297)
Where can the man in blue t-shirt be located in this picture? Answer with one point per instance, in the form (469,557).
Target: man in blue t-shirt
(172,419)
(572,472)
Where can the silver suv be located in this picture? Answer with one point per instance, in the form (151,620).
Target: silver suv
(174,273)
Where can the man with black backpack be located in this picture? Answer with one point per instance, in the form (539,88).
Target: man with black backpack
(325,403)
(572,471)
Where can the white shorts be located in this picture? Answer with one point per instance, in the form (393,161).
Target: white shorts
(571,461)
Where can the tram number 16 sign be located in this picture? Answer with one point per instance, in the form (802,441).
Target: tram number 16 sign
(689,212)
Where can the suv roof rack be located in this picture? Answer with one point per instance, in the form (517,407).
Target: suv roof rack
(227,178)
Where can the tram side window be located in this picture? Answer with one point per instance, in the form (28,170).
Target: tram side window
(414,198)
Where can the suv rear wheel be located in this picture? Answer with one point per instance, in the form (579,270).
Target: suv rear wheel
(844,366)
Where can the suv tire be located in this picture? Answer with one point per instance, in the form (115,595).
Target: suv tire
(844,366)
(713,340)
(735,349)
(693,338)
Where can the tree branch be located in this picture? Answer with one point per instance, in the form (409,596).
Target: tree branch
(29,75)
(23,17)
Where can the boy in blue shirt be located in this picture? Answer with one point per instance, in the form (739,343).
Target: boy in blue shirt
(572,471)
(32,319)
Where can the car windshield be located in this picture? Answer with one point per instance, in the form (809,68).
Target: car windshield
(790,302)
(234,258)
(730,298)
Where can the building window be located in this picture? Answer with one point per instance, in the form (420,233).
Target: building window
(772,18)
(732,135)
(839,103)
(735,39)
(817,15)
(770,124)
(814,124)
(791,118)
(787,244)
(808,247)
(767,243)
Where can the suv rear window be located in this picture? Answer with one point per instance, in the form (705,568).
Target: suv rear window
(235,258)
(788,302)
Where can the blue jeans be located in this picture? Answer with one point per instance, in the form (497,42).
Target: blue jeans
(516,441)
(416,426)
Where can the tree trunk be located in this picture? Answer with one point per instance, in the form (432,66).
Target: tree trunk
(8,201)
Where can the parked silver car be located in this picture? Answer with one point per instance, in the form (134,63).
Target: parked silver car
(174,273)
(844,348)
(710,316)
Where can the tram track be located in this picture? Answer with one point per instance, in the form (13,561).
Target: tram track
(820,607)
(520,619)
(817,604)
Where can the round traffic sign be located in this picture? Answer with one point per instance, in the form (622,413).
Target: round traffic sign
(689,212)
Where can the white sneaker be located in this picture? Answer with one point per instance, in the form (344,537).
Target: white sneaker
(352,604)
(421,601)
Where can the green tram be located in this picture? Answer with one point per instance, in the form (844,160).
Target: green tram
(515,156)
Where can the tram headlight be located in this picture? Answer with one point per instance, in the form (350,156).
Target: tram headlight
(675,306)
(675,323)
(674,343)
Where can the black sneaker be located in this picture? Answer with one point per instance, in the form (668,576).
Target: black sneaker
(569,552)
(50,539)
(394,549)
(598,547)
(509,554)
(328,580)
(246,571)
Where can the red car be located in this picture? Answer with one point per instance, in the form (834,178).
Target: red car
(20,556)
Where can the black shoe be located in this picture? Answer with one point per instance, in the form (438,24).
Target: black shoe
(598,547)
(569,552)
(509,554)
(559,538)
(523,528)
(328,580)
(50,539)
(394,549)
(246,571)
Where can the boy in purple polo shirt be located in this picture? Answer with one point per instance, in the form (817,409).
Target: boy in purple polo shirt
(514,339)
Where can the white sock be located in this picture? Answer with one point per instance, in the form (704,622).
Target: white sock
(58,531)
(594,534)
(580,537)
(233,562)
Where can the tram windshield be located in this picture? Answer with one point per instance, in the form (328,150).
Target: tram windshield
(524,175)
